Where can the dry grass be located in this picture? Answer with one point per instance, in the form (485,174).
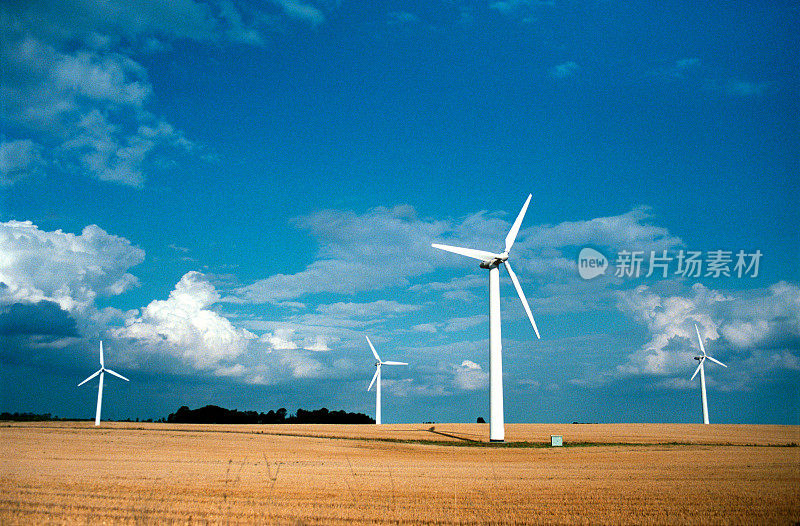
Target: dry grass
(151,473)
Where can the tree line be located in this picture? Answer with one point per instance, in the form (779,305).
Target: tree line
(212,414)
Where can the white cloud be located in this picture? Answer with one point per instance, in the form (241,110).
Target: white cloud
(18,160)
(300,365)
(183,326)
(562,71)
(382,248)
(425,327)
(110,78)
(280,340)
(68,269)
(72,90)
(746,327)
(522,10)
(456,324)
(301,12)
(469,376)
(320,344)
(88,109)
(373,310)
(92,20)
(741,88)
(632,230)
(667,319)
(463,323)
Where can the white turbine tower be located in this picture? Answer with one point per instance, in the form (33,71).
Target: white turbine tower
(377,377)
(101,372)
(492,261)
(700,368)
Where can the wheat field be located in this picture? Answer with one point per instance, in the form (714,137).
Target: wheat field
(126,473)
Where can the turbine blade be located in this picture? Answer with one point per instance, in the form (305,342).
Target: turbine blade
(101,355)
(394,363)
(374,377)
(522,297)
(373,349)
(481,255)
(95,374)
(117,375)
(697,370)
(716,361)
(512,234)
(702,347)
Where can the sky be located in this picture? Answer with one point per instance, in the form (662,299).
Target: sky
(232,195)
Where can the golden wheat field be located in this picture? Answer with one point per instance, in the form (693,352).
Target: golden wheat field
(126,473)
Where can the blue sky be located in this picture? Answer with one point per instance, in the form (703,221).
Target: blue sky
(233,194)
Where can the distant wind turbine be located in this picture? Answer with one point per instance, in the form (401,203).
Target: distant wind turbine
(101,372)
(700,368)
(492,262)
(377,377)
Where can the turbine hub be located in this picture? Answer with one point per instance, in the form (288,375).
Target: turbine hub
(495,261)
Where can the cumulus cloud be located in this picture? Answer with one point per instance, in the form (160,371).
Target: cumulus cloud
(668,319)
(757,330)
(469,376)
(280,340)
(184,326)
(67,269)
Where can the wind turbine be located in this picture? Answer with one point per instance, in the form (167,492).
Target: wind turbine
(377,377)
(101,372)
(700,368)
(492,262)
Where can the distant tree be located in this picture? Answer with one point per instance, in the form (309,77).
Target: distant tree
(481,420)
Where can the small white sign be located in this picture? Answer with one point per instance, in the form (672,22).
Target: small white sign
(556,440)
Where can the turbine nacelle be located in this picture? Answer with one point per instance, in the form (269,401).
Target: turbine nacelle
(495,262)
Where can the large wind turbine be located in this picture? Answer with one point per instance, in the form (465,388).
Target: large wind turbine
(492,261)
(377,377)
(700,368)
(101,372)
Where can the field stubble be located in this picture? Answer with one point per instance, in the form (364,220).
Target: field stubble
(141,474)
